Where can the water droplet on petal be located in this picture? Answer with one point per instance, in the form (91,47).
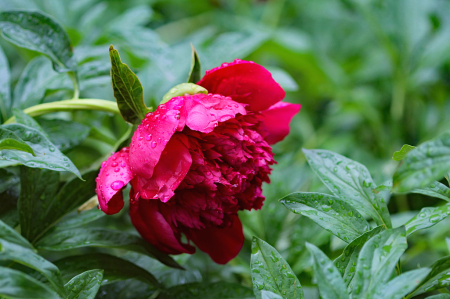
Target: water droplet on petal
(117,169)
(153,144)
(117,185)
(114,164)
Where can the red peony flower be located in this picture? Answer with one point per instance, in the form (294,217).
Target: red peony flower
(199,159)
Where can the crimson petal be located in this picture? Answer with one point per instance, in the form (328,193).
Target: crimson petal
(277,119)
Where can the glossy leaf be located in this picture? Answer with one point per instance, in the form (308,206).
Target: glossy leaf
(114,268)
(10,141)
(216,290)
(9,234)
(47,155)
(64,134)
(77,219)
(26,120)
(332,213)
(127,90)
(440,296)
(346,262)
(436,189)
(17,285)
(427,217)
(100,237)
(37,216)
(25,256)
(400,155)
(329,280)
(403,284)
(377,260)
(195,74)
(5,87)
(39,32)
(269,295)
(349,181)
(272,273)
(437,278)
(84,285)
(425,164)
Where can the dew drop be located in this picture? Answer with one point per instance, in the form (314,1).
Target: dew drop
(117,185)
(153,144)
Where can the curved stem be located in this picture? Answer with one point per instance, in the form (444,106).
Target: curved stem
(70,105)
(76,88)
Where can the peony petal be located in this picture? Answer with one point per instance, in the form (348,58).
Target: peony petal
(171,169)
(154,228)
(114,175)
(222,244)
(277,119)
(245,82)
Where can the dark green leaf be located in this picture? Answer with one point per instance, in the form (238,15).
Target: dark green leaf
(77,219)
(402,285)
(37,216)
(64,134)
(25,256)
(84,285)
(400,155)
(332,213)
(10,141)
(377,260)
(351,182)
(127,90)
(47,155)
(346,262)
(195,74)
(437,278)
(216,290)
(38,32)
(5,88)
(440,296)
(425,164)
(114,268)
(329,280)
(9,234)
(272,273)
(427,217)
(100,237)
(127,289)
(15,284)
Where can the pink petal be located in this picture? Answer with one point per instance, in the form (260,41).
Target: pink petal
(277,119)
(171,169)
(114,175)
(154,228)
(245,82)
(222,244)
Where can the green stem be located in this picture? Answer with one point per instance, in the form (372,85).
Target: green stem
(76,88)
(70,105)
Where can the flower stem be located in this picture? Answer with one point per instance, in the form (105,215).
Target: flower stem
(76,87)
(70,105)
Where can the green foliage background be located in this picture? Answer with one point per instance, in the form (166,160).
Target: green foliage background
(371,75)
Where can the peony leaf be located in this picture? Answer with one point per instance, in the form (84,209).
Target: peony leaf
(10,141)
(195,74)
(427,217)
(84,285)
(400,155)
(215,290)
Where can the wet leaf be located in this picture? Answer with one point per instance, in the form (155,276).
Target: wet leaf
(64,134)
(436,189)
(400,155)
(351,182)
(26,120)
(115,268)
(440,296)
(427,217)
(269,295)
(47,155)
(272,273)
(15,284)
(195,74)
(425,164)
(38,32)
(5,87)
(127,90)
(216,290)
(377,260)
(403,284)
(84,285)
(9,234)
(332,213)
(10,141)
(77,219)
(329,280)
(437,278)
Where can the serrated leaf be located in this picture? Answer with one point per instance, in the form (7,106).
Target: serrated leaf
(127,90)
(25,256)
(64,134)
(38,32)
(216,290)
(41,205)
(400,155)
(403,284)
(329,280)
(377,260)
(195,74)
(114,268)
(5,87)
(272,273)
(332,213)
(10,141)
(9,234)
(425,164)
(346,262)
(77,219)
(437,278)
(17,285)
(350,181)
(47,155)
(427,217)
(84,285)
(101,237)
